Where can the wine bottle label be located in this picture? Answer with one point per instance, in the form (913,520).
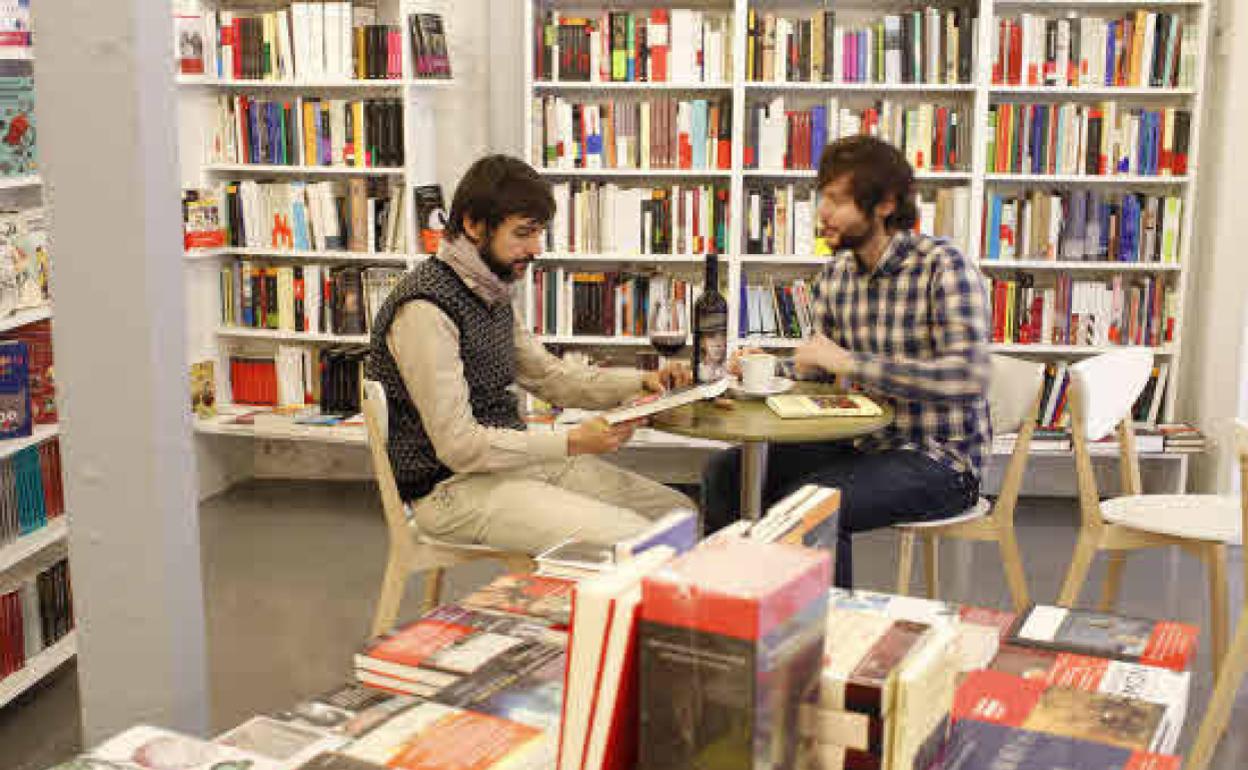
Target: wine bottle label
(712,346)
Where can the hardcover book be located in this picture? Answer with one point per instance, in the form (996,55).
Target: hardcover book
(431,736)
(799,407)
(350,710)
(538,597)
(1135,640)
(282,741)
(976,744)
(726,654)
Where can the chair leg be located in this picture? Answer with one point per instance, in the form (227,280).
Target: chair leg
(1113,580)
(1015,577)
(1223,698)
(931,556)
(392,586)
(1085,553)
(905,560)
(432,589)
(1215,560)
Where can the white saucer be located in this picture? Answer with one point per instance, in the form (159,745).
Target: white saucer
(778,385)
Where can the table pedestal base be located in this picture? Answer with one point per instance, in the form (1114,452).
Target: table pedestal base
(753,473)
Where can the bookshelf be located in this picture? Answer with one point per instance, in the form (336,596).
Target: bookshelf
(20,554)
(976,95)
(212,339)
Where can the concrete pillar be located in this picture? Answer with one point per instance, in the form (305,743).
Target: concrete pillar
(107,126)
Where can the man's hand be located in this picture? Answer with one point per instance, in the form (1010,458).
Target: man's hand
(597,437)
(734,361)
(677,374)
(821,353)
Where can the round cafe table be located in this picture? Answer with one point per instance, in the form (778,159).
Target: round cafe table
(753,425)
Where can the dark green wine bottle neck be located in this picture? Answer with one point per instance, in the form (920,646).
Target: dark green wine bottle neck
(712,272)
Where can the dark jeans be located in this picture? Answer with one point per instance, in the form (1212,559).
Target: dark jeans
(877,490)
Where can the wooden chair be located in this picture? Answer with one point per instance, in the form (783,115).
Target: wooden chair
(1102,392)
(1014,398)
(1236,661)
(410,551)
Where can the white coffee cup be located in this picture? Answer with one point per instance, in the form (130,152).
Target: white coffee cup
(757,372)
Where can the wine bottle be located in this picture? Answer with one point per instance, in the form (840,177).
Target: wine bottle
(710,327)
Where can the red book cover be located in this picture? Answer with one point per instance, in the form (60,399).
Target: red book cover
(236,39)
(1016,55)
(658,33)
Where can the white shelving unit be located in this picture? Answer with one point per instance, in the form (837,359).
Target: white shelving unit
(197,99)
(978,96)
(21,193)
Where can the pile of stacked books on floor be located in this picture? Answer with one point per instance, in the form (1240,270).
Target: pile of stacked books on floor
(732,653)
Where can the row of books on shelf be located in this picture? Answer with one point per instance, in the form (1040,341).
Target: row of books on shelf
(1141,49)
(659,133)
(312,386)
(304,298)
(31,492)
(927,45)
(1087,139)
(306,41)
(36,610)
(343,133)
(780,219)
(610,303)
(1084,225)
(776,309)
(1119,311)
(357,215)
(15,24)
(933,137)
(1161,438)
(605,218)
(660,45)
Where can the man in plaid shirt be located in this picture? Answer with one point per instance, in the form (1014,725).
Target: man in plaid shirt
(904,318)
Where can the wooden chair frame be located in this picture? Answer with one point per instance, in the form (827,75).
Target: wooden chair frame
(1118,541)
(1235,664)
(996,527)
(410,552)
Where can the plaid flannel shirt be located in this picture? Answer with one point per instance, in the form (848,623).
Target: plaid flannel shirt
(917,327)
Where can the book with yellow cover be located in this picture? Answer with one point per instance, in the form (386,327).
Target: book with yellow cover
(843,405)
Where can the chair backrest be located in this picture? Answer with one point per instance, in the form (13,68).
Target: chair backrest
(1014,395)
(377,423)
(1103,389)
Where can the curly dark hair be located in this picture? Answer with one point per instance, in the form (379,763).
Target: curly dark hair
(877,171)
(496,187)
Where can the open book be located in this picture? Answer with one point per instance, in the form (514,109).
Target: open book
(661,402)
(840,405)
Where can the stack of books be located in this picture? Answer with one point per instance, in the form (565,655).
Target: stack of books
(1182,437)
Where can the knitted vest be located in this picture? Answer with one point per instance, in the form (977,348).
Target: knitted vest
(487,348)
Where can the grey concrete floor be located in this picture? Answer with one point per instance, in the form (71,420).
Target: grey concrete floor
(292,570)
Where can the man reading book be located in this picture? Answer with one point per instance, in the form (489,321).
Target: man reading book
(450,352)
(902,317)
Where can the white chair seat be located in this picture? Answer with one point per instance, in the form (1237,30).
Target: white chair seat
(977,511)
(1213,518)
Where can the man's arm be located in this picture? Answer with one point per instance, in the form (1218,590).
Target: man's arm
(960,368)
(425,343)
(567,384)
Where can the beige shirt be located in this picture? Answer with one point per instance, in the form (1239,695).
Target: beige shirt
(425,343)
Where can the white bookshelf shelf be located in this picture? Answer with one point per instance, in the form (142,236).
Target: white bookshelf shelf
(278,335)
(783,259)
(38,667)
(1112,92)
(38,435)
(23,317)
(593,340)
(870,88)
(314,256)
(790,173)
(17,552)
(258,168)
(279,429)
(1073,350)
(637,173)
(311,85)
(577,85)
(20,182)
(1133,180)
(1101,266)
(622,257)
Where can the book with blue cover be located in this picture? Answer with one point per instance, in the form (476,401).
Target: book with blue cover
(15,414)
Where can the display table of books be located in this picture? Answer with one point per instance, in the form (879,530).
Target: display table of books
(675,657)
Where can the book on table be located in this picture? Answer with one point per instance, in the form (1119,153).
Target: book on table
(975,744)
(350,710)
(433,736)
(1136,640)
(543,598)
(648,406)
(792,407)
(280,741)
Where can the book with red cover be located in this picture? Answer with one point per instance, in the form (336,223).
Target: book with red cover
(727,653)
(1136,640)
(540,597)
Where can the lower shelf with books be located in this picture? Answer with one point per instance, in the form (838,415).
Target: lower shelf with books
(37,668)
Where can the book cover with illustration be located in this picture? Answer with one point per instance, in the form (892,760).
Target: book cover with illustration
(524,684)
(976,744)
(1136,640)
(842,405)
(350,710)
(539,597)
(432,736)
(278,740)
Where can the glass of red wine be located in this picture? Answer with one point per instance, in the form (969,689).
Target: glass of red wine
(669,327)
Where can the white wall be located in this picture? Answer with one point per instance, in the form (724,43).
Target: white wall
(1214,382)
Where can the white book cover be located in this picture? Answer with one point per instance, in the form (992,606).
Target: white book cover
(146,746)
(316,40)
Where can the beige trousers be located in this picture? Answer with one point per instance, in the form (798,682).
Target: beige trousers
(532,508)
